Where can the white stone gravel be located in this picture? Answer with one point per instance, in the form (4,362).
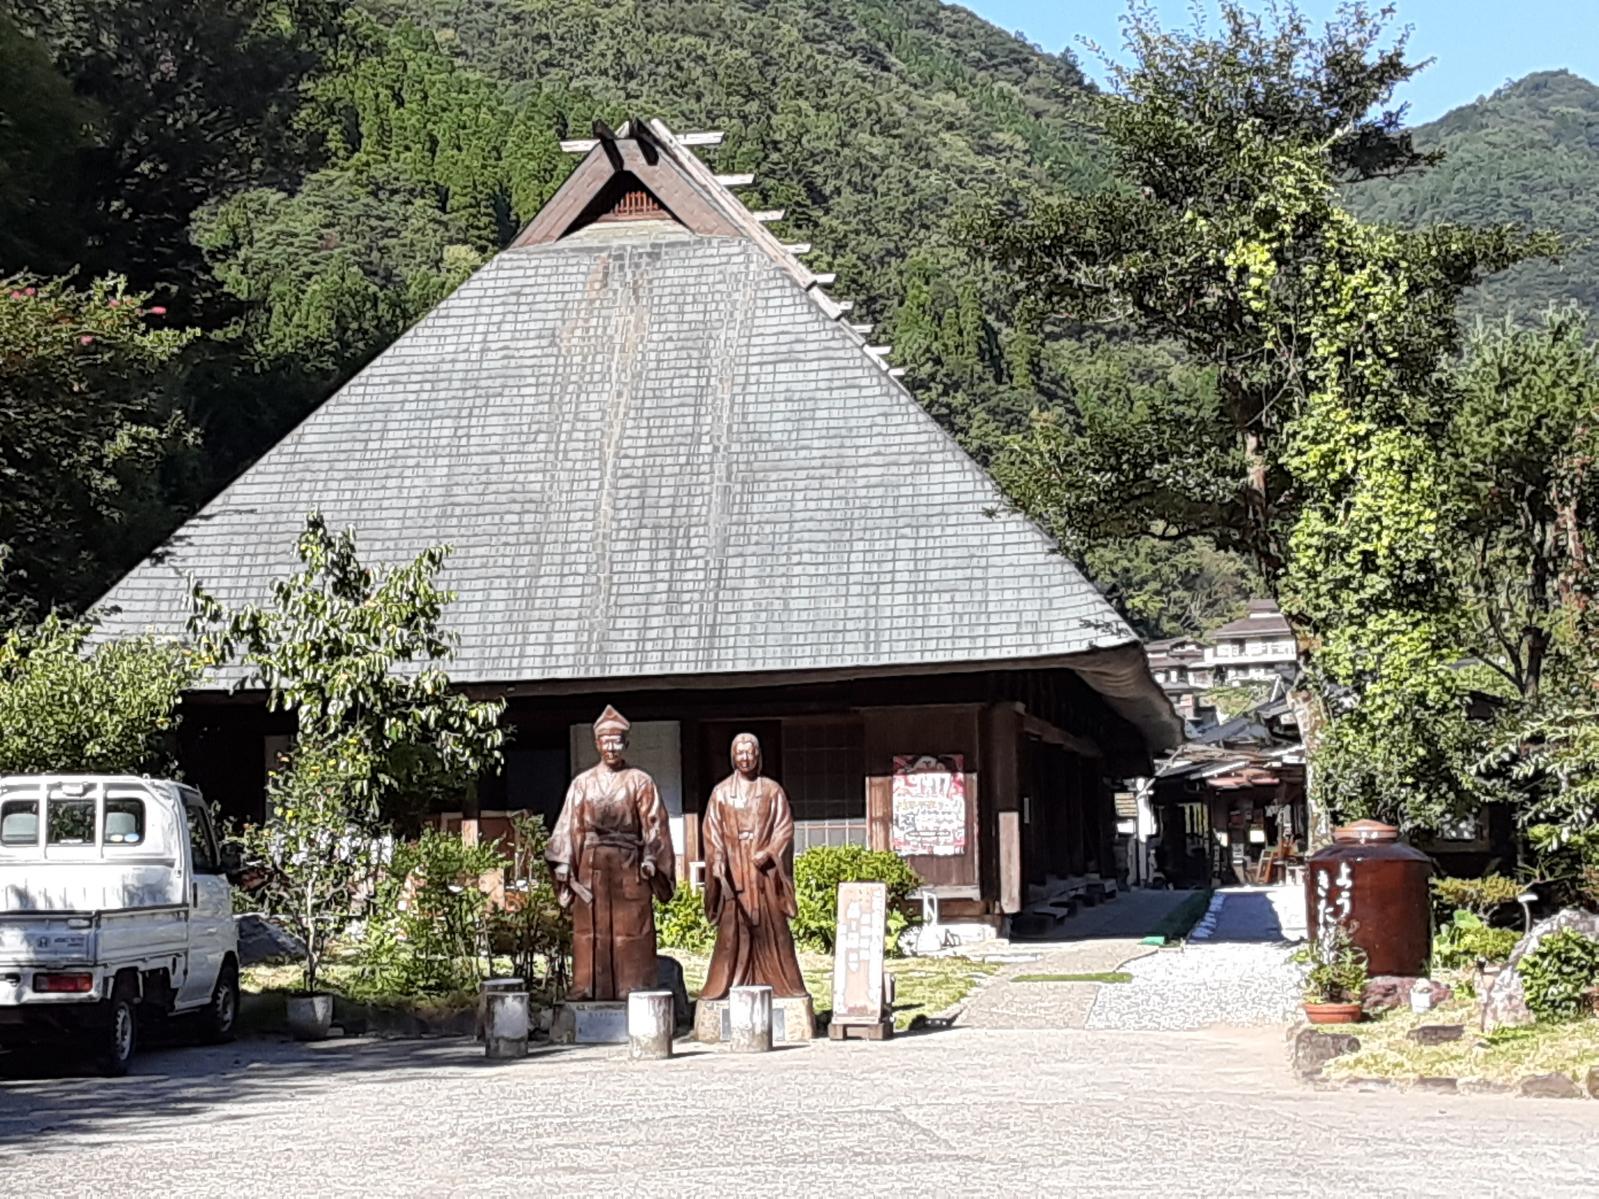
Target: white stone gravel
(1236,972)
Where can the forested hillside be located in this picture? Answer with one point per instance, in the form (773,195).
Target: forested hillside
(295,181)
(1528,154)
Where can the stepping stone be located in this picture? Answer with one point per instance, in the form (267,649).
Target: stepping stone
(1436,1034)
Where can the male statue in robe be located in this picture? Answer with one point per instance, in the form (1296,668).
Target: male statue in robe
(611,854)
(749,893)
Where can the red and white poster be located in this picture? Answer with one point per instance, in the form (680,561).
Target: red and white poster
(929,805)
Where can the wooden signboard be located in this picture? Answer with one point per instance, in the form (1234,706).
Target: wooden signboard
(858,1008)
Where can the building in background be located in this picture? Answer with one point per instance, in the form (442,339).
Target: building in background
(679,480)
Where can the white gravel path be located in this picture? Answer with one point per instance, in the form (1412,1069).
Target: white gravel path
(1233,971)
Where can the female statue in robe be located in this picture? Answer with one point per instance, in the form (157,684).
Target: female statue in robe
(611,853)
(749,893)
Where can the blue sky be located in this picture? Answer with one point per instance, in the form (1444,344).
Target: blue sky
(1478,44)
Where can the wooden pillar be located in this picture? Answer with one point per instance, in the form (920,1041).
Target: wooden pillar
(469,814)
(1001,755)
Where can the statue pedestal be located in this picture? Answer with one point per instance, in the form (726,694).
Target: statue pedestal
(793,1019)
(590,1022)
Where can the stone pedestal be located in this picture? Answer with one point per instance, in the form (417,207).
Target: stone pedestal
(793,1019)
(505,1024)
(484,988)
(590,1022)
(750,1011)
(650,1024)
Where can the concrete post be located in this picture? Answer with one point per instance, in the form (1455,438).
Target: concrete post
(505,1032)
(750,1014)
(484,987)
(650,1022)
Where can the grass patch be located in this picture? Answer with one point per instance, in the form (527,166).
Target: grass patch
(1504,1056)
(1102,976)
(1174,925)
(923,986)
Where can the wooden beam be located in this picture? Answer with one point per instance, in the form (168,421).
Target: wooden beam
(735,180)
(825,278)
(797,248)
(897,372)
(582,145)
(880,351)
(767,216)
(845,305)
(863,328)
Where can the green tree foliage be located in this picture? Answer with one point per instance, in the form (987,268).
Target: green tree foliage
(69,703)
(1323,339)
(1530,153)
(429,927)
(1518,457)
(312,865)
(430,169)
(86,429)
(188,102)
(356,654)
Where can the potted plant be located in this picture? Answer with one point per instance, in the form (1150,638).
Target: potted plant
(313,864)
(1336,979)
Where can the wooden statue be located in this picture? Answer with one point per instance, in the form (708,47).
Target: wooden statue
(611,853)
(749,893)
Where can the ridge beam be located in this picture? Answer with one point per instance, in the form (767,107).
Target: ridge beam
(582,145)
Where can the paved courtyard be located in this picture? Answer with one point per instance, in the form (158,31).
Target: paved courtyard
(1019,1097)
(959,1111)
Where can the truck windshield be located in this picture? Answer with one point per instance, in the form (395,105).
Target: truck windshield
(71,821)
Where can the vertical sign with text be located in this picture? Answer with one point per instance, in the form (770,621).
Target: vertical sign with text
(858,953)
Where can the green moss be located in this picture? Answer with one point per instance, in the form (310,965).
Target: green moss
(1103,976)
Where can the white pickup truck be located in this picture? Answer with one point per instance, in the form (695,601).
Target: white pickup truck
(114,905)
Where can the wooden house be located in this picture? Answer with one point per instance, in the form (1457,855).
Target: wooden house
(678,480)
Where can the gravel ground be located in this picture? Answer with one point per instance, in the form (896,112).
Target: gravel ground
(954,1112)
(1233,971)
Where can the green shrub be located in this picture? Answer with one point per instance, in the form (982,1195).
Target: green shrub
(1478,896)
(681,924)
(819,871)
(532,928)
(1558,972)
(1466,938)
(430,918)
(1337,971)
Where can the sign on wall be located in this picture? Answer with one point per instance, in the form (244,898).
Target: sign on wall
(929,800)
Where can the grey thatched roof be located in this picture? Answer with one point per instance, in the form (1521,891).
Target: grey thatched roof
(656,455)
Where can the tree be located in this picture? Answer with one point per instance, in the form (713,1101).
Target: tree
(1325,339)
(86,429)
(312,863)
(68,703)
(356,654)
(175,120)
(1517,455)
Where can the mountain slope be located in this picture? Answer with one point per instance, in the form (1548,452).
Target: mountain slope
(1528,153)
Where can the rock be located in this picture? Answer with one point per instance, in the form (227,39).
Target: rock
(1481,1086)
(1505,1005)
(1438,1082)
(1313,1049)
(1386,992)
(1593,1082)
(262,943)
(1436,1034)
(1549,1086)
(669,977)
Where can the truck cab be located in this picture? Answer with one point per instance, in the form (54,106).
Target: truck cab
(115,907)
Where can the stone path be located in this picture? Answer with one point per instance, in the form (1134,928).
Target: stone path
(1101,939)
(1234,970)
(954,1112)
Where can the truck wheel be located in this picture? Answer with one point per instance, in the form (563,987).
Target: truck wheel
(118,1035)
(216,1022)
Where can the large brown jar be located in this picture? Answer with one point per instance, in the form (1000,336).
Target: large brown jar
(1376,887)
